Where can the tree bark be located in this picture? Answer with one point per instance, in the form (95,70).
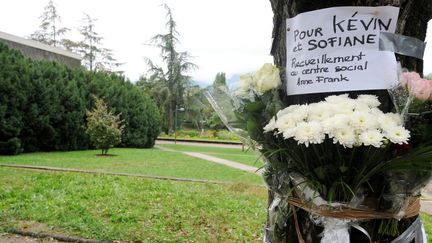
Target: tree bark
(413,18)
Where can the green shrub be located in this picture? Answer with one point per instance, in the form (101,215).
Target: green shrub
(226,135)
(11,147)
(188,133)
(103,127)
(43,104)
(211,134)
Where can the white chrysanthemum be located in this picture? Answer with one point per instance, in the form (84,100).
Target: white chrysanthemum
(309,133)
(376,112)
(370,100)
(335,122)
(271,125)
(300,113)
(319,111)
(345,136)
(386,121)
(287,110)
(289,132)
(396,117)
(347,106)
(337,99)
(349,122)
(362,107)
(397,134)
(340,109)
(285,122)
(371,137)
(363,121)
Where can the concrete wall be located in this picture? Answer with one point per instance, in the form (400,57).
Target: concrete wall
(38,51)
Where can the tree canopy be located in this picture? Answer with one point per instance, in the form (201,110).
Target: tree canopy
(173,75)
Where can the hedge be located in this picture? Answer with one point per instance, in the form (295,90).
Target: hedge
(43,105)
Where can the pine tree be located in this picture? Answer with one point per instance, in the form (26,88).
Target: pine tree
(49,31)
(95,57)
(177,64)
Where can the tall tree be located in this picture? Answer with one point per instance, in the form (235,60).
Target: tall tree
(413,19)
(177,64)
(95,57)
(220,80)
(159,92)
(49,31)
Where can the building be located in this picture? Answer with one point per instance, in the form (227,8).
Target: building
(39,51)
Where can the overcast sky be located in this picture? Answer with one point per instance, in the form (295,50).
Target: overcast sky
(231,36)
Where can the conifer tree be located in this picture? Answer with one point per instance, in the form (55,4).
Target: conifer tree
(49,31)
(95,57)
(173,75)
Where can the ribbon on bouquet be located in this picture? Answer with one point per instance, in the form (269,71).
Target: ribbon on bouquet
(338,218)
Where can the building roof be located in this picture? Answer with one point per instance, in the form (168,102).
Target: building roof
(38,45)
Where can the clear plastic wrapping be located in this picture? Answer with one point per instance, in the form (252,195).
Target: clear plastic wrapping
(327,173)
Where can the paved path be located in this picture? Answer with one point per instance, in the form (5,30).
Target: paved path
(426,202)
(229,163)
(213,159)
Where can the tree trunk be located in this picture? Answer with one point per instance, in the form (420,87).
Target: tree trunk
(413,18)
(171,128)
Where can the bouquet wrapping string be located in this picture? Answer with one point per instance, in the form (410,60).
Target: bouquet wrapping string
(342,160)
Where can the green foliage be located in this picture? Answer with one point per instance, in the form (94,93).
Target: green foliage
(94,56)
(103,127)
(11,147)
(205,134)
(226,135)
(43,104)
(220,80)
(214,122)
(49,31)
(171,78)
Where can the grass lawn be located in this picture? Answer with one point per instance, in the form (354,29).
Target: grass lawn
(427,221)
(248,157)
(131,209)
(139,161)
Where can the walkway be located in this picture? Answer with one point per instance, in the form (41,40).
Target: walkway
(426,202)
(229,163)
(213,159)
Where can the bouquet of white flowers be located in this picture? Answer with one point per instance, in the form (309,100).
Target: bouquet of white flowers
(341,160)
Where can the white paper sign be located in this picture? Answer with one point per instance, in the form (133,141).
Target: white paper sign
(336,49)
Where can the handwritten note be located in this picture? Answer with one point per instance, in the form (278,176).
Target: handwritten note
(336,49)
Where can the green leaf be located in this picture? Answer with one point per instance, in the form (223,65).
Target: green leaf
(254,106)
